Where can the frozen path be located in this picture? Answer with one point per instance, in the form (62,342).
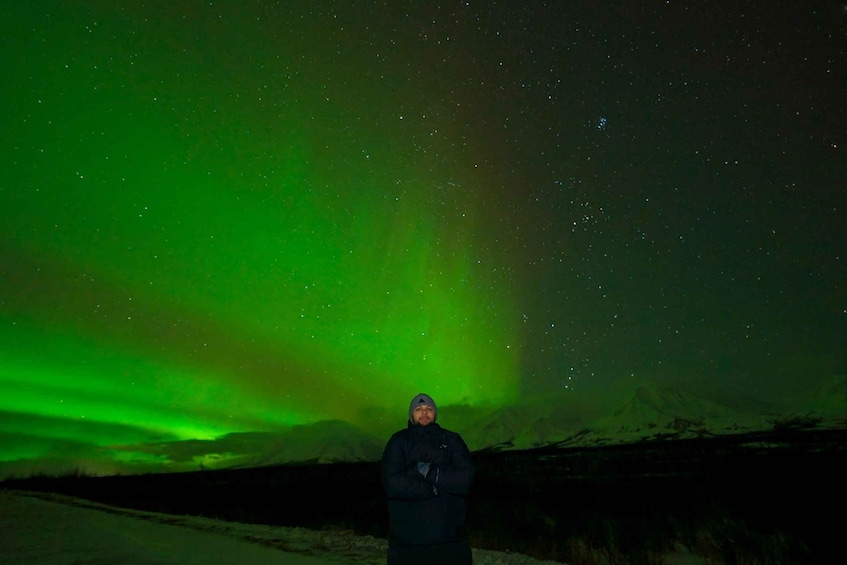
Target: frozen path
(41,532)
(51,529)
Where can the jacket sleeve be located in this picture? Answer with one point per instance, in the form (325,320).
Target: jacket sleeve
(456,476)
(400,478)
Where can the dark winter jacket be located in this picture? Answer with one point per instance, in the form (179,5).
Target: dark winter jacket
(426,510)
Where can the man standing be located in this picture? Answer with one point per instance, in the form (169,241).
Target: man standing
(426,473)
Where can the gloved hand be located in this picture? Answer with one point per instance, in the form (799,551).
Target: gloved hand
(429,471)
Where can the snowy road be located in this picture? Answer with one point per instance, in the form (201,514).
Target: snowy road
(37,531)
(43,528)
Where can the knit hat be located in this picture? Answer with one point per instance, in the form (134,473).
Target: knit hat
(423,399)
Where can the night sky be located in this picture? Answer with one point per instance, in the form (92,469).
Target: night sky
(224,217)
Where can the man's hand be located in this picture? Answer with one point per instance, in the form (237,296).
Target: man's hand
(428,470)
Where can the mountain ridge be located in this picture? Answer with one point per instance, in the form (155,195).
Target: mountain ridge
(651,411)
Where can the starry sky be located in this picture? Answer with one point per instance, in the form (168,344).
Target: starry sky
(241,216)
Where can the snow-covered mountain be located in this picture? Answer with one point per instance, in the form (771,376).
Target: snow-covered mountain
(650,411)
(536,421)
(514,427)
(828,401)
(655,411)
(323,442)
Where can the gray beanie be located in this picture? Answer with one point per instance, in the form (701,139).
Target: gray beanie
(423,399)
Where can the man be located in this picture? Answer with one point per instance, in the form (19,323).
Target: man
(427,472)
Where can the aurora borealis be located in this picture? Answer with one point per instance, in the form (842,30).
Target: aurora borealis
(232,217)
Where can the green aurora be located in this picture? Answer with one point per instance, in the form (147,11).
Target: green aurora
(182,264)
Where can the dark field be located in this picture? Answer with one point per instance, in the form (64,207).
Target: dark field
(775,497)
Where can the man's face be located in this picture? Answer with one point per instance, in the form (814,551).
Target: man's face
(423,415)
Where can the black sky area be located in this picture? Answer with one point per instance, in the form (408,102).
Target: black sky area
(685,210)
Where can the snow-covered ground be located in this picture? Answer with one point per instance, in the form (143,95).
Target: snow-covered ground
(42,529)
